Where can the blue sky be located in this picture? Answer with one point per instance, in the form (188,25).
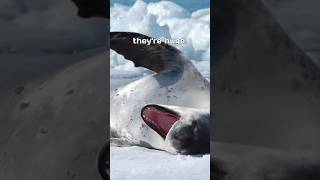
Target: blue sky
(190,5)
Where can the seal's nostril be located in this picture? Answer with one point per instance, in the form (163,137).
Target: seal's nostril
(195,127)
(194,124)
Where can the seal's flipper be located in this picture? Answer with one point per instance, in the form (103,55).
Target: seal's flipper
(156,57)
(121,142)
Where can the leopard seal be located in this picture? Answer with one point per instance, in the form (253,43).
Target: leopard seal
(168,110)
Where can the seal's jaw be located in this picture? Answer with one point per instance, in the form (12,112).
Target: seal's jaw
(159,118)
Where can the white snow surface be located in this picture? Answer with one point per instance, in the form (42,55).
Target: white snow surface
(130,163)
(162,19)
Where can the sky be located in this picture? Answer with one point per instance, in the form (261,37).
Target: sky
(191,5)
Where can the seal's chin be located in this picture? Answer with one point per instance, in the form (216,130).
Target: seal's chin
(159,118)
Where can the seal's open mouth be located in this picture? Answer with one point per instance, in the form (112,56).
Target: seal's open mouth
(159,118)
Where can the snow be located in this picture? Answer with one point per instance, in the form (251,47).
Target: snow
(145,164)
(158,20)
(169,20)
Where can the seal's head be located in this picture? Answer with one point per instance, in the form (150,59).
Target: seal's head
(185,130)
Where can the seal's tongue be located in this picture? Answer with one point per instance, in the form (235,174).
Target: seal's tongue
(159,118)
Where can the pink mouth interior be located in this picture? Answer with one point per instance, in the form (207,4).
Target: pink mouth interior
(159,119)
